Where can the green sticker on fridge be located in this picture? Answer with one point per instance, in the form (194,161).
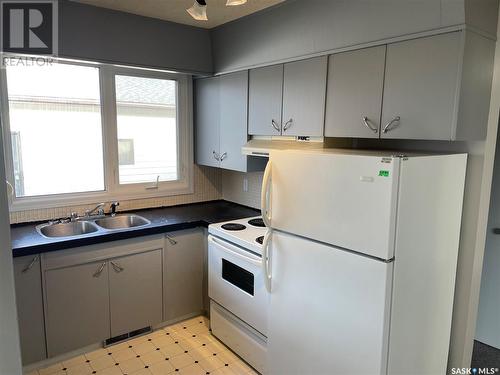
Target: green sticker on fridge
(383,173)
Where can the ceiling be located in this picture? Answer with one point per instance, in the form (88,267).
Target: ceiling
(175,10)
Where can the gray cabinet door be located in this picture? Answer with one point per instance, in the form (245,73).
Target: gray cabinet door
(28,280)
(421,88)
(207,117)
(233,120)
(184,272)
(265,98)
(77,306)
(304,90)
(135,291)
(354,93)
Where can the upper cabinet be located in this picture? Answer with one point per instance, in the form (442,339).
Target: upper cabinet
(354,101)
(304,89)
(288,99)
(207,118)
(420,91)
(221,113)
(265,98)
(432,88)
(233,120)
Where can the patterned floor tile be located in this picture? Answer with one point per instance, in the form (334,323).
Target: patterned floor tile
(123,355)
(74,361)
(102,362)
(163,340)
(161,368)
(131,365)
(181,360)
(51,369)
(96,354)
(143,347)
(171,350)
(186,348)
(193,369)
(115,370)
(152,357)
(82,369)
(143,371)
(210,363)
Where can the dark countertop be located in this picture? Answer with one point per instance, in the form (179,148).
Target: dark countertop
(27,241)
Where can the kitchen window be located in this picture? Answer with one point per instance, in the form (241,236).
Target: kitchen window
(78,133)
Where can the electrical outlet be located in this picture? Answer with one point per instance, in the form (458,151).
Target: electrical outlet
(245,185)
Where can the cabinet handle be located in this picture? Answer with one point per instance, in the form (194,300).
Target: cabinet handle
(223,156)
(32,263)
(117,267)
(366,121)
(287,125)
(216,155)
(275,125)
(171,240)
(389,126)
(99,270)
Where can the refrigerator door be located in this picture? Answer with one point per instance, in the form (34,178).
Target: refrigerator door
(329,310)
(347,200)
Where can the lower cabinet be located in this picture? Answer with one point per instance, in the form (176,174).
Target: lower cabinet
(96,292)
(135,291)
(184,272)
(28,281)
(73,298)
(77,301)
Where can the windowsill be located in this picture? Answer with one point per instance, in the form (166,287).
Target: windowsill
(71,200)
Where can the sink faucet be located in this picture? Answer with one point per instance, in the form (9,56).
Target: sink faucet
(112,208)
(98,208)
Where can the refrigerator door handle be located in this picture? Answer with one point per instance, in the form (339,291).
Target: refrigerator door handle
(265,260)
(266,195)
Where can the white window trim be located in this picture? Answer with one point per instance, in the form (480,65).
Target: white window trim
(113,190)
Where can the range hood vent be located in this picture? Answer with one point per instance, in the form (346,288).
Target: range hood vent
(261,147)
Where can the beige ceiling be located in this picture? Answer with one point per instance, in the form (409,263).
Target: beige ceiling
(175,10)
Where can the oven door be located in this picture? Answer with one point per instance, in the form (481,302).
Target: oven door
(236,282)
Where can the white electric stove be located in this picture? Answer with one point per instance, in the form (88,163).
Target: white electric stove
(247,233)
(239,301)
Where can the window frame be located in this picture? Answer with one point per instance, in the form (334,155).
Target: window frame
(113,190)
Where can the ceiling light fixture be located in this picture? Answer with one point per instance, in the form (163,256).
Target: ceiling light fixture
(199,10)
(235,2)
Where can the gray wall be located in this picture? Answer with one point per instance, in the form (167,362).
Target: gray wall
(10,352)
(300,28)
(98,34)
(488,319)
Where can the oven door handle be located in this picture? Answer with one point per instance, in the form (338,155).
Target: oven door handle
(265,260)
(235,251)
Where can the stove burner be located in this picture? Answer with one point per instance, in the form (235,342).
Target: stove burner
(260,239)
(257,222)
(233,226)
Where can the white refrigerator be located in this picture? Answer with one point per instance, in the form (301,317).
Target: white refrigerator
(360,260)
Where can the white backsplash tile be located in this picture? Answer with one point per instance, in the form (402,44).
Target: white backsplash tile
(232,187)
(207,187)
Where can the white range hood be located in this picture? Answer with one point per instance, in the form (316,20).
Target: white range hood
(261,147)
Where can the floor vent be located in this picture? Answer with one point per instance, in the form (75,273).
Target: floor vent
(127,336)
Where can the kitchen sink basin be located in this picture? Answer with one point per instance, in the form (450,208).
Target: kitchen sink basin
(122,222)
(76,228)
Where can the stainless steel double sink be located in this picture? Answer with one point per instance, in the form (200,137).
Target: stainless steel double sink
(82,227)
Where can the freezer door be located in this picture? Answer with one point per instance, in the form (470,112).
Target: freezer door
(329,310)
(345,200)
